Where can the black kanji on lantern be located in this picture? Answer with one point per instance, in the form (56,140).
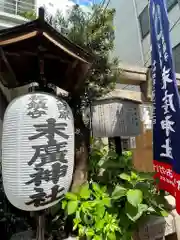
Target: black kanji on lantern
(63,110)
(58,170)
(37,106)
(49,130)
(53,152)
(40,197)
(49,153)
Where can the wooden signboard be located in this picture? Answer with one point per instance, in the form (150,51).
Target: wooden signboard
(115,117)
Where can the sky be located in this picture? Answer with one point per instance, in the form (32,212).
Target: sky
(53,5)
(86,2)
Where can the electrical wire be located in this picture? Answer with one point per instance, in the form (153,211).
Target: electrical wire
(107,5)
(101,6)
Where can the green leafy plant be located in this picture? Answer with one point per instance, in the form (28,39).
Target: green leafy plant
(115,200)
(117,196)
(138,199)
(105,165)
(101,214)
(91,210)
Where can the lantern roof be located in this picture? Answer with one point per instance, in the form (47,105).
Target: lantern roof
(23,47)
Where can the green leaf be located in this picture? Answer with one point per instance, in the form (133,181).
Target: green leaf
(71,196)
(146,176)
(64,204)
(142,208)
(134,197)
(88,219)
(84,191)
(144,187)
(72,207)
(78,214)
(112,236)
(81,230)
(119,192)
(124,220)
(100,224)
(151,210)
(164,213)
(134,176)
(100,210)
(110,164)
(96,187)
(97,237)
(86,205)
(104,189)
(76,222)
(106,202)
(125,176)
(89,232)
(132,212)
(127,236)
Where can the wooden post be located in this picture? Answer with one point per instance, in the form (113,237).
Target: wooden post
(118,145)
(40,226)
(116,142)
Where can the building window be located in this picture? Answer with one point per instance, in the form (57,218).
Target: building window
(17,7)
(176,55)
(144,17)
(144,22)
(171,4)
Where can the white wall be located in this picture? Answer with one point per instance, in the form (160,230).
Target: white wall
(129,45)
(127,41)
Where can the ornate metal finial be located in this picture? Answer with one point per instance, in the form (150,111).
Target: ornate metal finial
(41,13)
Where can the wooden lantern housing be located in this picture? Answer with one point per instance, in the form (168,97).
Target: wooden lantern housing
(65,64)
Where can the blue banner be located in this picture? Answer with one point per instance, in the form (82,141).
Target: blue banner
(166,103)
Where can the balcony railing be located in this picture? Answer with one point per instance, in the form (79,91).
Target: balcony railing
(17,7)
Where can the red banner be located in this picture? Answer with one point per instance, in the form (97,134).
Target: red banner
(168,180)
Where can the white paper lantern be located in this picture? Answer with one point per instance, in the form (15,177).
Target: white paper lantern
(37,151)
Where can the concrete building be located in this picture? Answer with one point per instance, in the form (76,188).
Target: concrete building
(11,11)
(132,43)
